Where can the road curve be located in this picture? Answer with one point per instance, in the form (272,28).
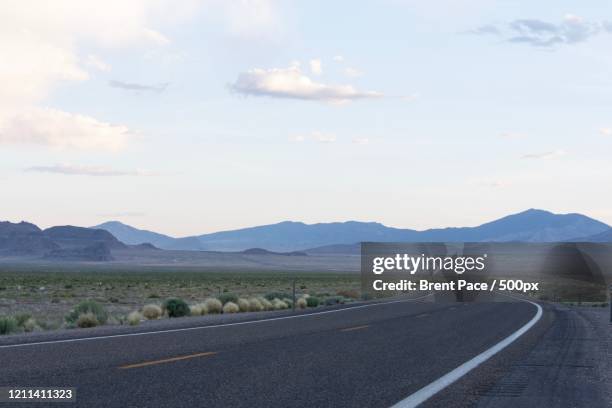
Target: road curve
(361,357)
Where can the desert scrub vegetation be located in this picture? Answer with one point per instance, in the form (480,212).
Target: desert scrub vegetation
(267,305)
(213,305)
(301,303)
(278,304)
(87,307)
(86,320)
(312,301)
(8,325)
(198,309)
(228,297)
(243,305)
(151,311)
(255,305)
(176,307)
(134,318)
(230,307)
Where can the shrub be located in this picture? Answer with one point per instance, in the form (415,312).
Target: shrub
(8,325)
(21,318)
(151,311)
(255,305)
(228,297)
(134,318)
(288,302)
(276,295)
(30,325)
(312,301)
(301,303)
(266,304)
(213,305)
(88,306)
(279,304)
(243,305)
(87,320)
(198,309)
(230,307)
(176,307)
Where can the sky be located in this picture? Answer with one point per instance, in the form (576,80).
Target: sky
(198,116)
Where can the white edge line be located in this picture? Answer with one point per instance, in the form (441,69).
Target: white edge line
(438,385)
(112,336)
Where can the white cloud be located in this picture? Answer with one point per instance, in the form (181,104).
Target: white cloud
(571,30)
(292,83)
(95,62)
(545,155)
(78,170)
(54,128)
(606,131)
(339,58)
(352,72)
(41,46)
(316,67)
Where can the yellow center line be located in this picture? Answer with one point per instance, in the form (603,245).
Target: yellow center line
(166,360)
(355,328)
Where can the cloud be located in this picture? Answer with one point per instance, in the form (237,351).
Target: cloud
(338,58)
(605,131)
(352,72)
(316,67)
(538,33)
(361,140)
(41,50)
(95,62)
(54,128)
(132,86)
(545,155)
(293,84)
(76,170)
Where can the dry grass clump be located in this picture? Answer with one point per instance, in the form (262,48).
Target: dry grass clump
(199,309)
(301,303)
(87,320)
(279,304)
(152,311)
(213,305)
(230,307)
(134,318)
(30,325)
(267,305)
(255,305)
(243,305)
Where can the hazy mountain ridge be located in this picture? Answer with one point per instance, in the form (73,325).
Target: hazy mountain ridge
(527,226)
(59,243)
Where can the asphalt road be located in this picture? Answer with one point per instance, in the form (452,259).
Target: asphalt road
(372,356)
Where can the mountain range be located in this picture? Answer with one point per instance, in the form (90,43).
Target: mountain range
(100,242)
(528,226)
